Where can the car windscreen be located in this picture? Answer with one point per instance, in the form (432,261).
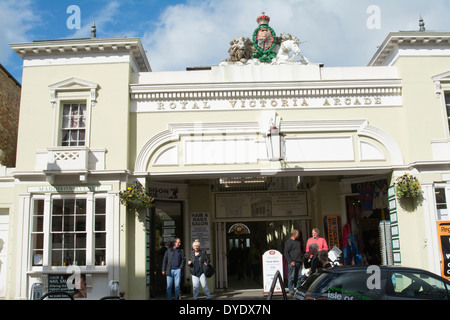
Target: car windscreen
(349,286)
(312,281)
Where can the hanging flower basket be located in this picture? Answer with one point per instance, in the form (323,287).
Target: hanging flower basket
(407,186)
(135,198)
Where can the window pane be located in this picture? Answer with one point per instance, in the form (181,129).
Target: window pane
(80,257)
(80,223)
(100,257)
(57,223)
(100,240)
(418,285)
(69,240)
(81,241)
(39,207)
(69,206)
(69,223)
(57,258)
(57,207)
(80,206)
(100,205)
(38,241)
(38,224)
(57,241)
(100,223)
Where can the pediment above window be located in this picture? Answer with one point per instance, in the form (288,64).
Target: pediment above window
(74,86)
(442,82)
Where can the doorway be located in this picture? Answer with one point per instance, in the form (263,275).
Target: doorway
(166,224)
(247,241)
(4,224)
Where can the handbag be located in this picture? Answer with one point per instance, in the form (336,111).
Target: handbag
(208,270)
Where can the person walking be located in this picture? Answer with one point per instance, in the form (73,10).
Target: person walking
(199,258)
(293,255)
(172,267)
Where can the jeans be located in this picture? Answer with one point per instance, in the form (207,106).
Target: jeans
(195,284)
(294,278)
(175,276)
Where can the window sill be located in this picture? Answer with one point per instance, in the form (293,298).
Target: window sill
(59,270)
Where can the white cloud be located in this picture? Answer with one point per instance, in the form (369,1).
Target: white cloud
(17,19)
(198,32)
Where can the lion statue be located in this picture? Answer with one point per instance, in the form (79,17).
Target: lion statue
(241,50)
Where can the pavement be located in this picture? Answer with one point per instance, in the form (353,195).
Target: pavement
(238,294)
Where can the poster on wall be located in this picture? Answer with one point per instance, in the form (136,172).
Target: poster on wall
(261,204)
(272,262)
(200,229)
(58,283)
(443,228)
(333,230)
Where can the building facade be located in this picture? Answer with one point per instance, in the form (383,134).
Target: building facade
(9,117)
(10,90)
(235,155)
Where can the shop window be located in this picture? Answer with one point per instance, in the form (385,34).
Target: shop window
(441,204)
(76,232)
(37,234)
(100,231)
(73,124)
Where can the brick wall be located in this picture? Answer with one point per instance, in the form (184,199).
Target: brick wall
(10,91)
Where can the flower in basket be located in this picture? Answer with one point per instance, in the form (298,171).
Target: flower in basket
(134,197)
(407,186)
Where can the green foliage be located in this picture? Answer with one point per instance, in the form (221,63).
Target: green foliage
(407,186)
(135,198)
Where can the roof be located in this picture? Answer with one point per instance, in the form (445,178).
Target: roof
(10,76)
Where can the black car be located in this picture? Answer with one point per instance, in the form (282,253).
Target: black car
(373,283)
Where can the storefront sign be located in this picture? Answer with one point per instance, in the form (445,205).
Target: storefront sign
(272,262)
(443,228)
(67,283)
(309,100)
(333,230)
(167,191)
(69,189)
(287,204)
(200,229)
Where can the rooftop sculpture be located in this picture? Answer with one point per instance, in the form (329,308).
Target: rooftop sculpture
(265,47)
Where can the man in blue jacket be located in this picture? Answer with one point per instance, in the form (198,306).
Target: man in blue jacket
(172,266)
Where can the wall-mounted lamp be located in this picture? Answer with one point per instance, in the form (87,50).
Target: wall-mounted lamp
(275,140)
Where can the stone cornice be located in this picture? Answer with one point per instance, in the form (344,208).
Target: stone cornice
(84,46)
(245,90)
(413,39)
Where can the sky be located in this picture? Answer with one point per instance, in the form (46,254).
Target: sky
(184,33)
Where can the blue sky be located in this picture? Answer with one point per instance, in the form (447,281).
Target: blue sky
(181,33)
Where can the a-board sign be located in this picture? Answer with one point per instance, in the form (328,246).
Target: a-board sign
(443,228)
(272,262)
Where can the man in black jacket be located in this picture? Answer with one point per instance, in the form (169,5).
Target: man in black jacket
(293,255)
(172,266)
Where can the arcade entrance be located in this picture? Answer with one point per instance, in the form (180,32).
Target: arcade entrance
(247,241)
